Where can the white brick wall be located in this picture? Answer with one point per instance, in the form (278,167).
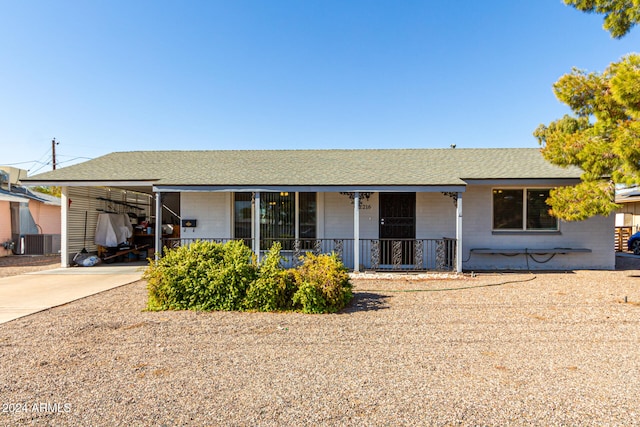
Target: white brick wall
(338,217)
(435,219)
(595,234)
(211,210)
(435,216)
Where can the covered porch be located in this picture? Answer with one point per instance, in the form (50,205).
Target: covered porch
(373,254)
(370,229)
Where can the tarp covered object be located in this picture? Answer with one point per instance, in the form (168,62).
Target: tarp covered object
(112,229)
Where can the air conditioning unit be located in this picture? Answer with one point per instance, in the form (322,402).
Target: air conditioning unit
(37,244)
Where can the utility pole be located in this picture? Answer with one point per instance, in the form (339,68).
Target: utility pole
(53,150)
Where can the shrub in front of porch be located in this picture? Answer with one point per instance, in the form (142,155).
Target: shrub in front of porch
(274,288)
(201,276)
(323,284)
(213,276)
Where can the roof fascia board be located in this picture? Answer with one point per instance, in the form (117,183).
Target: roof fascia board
(12,198)
(630,199)
(524,181)
(91,183)
(315,188)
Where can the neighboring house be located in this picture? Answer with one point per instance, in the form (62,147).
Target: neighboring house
(400,209)
(30,221)
(6,241)
(627,216)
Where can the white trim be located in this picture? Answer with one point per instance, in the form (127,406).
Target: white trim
(356,232)
(296,215)
(522,182)
(313,188)
(158,237)
(459,233)
(64,227)
(256,224)
(12,198)
(525,202)
(116,184)
(320,233)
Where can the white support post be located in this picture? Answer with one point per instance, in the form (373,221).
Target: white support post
(296,230)
(64,228)
(256,224)
(459,233)
(356,232)
(158,237)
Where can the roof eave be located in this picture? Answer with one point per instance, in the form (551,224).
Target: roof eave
(92,183)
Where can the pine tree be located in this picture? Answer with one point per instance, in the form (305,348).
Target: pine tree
(603,138)
(619,15)
(603,135)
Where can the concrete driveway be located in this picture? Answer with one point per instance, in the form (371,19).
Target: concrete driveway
(33,292)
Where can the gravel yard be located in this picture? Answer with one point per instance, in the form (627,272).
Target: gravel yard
(510,349)
(14,265)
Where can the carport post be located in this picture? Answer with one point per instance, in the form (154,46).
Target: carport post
(158,237)
(64,227)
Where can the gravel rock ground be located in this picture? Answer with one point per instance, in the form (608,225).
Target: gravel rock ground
(506,349)
(20,264)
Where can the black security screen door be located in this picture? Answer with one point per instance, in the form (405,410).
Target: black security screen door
(397,221)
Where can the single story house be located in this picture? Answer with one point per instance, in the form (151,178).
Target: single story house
(29,220)
(395,209)
(628,215)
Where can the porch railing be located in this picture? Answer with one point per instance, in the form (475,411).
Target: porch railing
(375,254)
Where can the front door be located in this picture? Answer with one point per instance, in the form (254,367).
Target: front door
(397,228)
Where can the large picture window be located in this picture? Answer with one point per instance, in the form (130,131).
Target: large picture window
(522,209)
(242,216)
(277,217)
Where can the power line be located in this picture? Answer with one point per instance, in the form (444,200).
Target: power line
(75,158)
(43,165)
(21,163)
(46,154)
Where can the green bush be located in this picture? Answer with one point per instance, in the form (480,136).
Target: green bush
(274,288)
(213,276)
(323,284)
(201,276)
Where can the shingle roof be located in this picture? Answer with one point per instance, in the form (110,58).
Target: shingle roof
(313,167)
(47,199)
(23,194)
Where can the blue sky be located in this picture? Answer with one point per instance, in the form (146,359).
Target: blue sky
(110,75)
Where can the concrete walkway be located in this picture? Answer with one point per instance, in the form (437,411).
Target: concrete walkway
(33,292)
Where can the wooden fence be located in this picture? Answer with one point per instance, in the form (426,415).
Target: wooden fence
(621,236)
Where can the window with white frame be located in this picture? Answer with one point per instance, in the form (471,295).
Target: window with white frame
(522,209)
